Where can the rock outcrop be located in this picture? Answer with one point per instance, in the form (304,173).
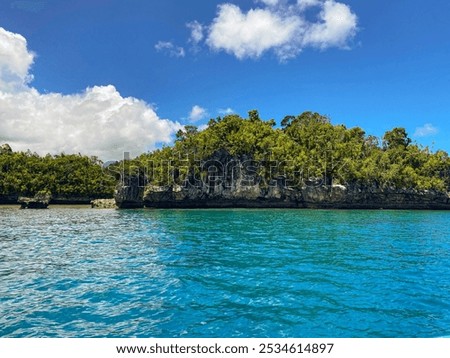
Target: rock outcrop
(103,204)
(321,197)
(39,201)
(129,193)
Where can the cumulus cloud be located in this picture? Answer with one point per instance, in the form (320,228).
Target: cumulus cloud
(170,49)
(252,33)
(280,26)
(97,121)
(337,24)
(197,113)
(225,111)
(426,130)
(15,61)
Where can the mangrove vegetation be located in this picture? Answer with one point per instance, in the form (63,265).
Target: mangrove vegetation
(302,148)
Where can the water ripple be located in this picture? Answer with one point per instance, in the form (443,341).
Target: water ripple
(224,273)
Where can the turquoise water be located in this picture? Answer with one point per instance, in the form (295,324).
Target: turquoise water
(224,273)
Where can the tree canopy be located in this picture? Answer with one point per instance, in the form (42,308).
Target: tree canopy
(304,148)
(74,175)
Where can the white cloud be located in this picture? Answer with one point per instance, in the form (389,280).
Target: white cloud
(337,24)
(197,113)
(252,33)
(426,130)
(15,61)
(225,111)
(202,127)
(270,2)
(280,26)
(196,32)
(170,49)
(304,4)
(97,121)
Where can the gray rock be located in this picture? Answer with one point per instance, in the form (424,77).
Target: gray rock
(103,204)
(39,201)
(130,195)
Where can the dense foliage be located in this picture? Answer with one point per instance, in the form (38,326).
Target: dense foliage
(26,173)
(305,147)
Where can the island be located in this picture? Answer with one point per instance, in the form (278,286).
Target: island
(307,162)
(304,162)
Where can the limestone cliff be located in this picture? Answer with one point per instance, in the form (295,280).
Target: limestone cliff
(129,193)
(331,197)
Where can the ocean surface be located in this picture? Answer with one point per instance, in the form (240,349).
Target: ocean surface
(224,273)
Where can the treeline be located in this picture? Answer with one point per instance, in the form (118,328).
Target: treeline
(74,175)
(304,147)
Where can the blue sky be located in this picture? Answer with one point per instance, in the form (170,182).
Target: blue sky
(105,76)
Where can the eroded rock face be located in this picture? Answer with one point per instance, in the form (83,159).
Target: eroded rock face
(308,197)
(129,194)
(227,182)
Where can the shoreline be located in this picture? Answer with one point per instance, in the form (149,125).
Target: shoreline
(216,208)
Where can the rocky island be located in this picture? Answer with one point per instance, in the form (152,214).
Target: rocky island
(307,163)
(247,191)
